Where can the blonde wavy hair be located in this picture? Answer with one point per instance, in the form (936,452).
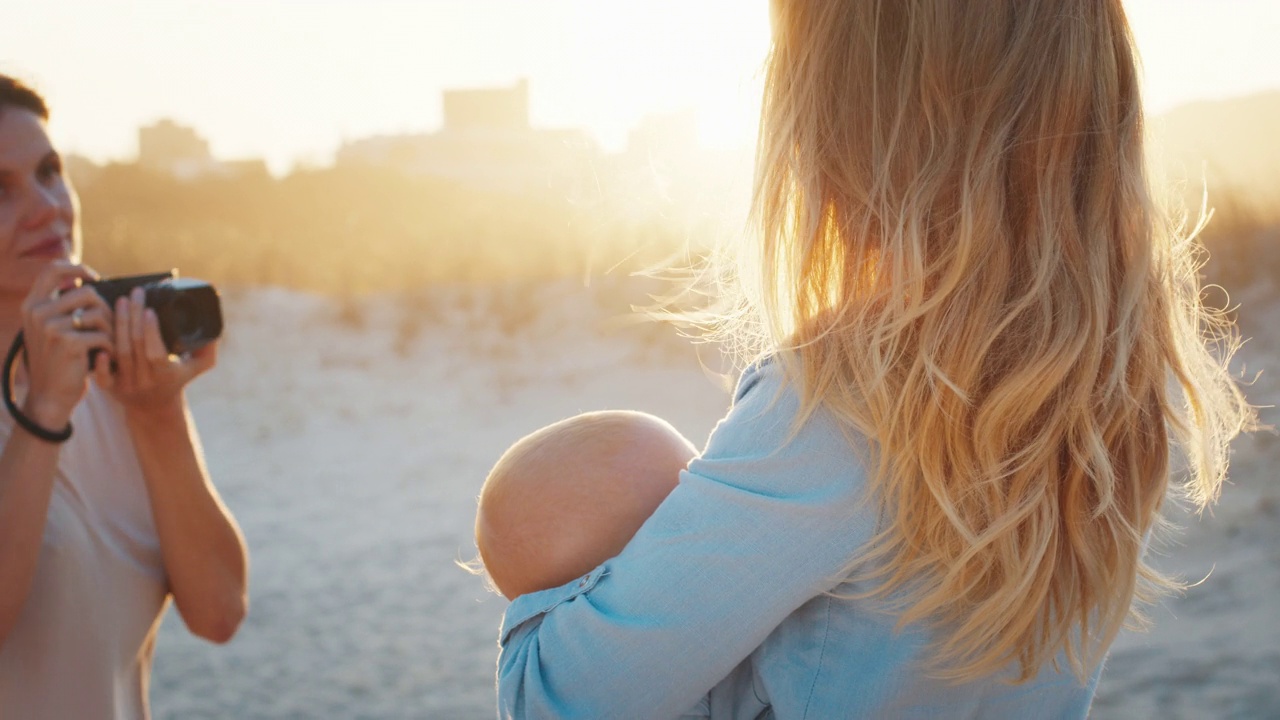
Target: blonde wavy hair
(960,257)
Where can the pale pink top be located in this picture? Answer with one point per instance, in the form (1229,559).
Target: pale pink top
(82,646)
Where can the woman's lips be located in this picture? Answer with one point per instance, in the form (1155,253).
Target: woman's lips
(50,248)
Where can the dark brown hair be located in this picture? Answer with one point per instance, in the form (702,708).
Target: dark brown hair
(13,93)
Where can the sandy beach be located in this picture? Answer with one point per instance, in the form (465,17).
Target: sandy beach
(350,440)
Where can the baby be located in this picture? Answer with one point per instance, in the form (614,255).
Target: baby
(569,496)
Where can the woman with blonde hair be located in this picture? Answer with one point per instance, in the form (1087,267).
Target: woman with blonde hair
(981,346)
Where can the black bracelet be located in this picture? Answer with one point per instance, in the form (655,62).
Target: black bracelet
(6,388)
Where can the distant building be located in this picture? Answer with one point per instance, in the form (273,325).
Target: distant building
(666,137)
(665,171)
(180,151)
(82,171)
(488,109)
(487,141)
(175,150)
(250,168)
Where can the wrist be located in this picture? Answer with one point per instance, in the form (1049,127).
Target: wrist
(162,412)
(47,414)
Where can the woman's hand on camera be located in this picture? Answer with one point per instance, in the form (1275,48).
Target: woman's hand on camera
(146,377)
(62,324)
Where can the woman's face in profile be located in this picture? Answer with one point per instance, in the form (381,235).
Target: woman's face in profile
(38,207)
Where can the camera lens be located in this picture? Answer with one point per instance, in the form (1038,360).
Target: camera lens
(186,316)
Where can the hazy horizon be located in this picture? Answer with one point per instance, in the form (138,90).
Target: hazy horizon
(356,70)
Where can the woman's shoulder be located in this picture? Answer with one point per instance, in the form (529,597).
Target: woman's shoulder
(764,371)
(769,435)
(768,404)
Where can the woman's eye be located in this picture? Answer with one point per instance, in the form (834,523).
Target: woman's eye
(49,171)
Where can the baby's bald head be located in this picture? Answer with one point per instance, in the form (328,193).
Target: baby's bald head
(569,496)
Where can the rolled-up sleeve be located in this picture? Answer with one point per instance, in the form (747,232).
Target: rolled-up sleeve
(764,520)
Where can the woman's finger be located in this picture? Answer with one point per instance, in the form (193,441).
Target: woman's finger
(62,331)
(152,341)
(102,370)
(58,275)
(65,304)
(95,318)
(78,297)
(77,348)
(61,341)
(82,343)
(123,352)
(200,361)
(138,337)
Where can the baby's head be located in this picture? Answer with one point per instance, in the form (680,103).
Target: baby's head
(569,496)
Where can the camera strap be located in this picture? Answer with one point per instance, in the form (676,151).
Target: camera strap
(6,388)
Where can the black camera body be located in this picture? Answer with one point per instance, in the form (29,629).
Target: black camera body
(189,311)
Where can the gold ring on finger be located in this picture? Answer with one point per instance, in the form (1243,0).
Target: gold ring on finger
(77,319)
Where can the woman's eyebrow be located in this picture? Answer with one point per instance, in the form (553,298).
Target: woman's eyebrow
(5,174)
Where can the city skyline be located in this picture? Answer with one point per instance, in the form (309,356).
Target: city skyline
(165,141)
(290,81)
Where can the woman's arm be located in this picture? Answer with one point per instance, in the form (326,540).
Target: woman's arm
(758,525)
(57,380)
(202,549)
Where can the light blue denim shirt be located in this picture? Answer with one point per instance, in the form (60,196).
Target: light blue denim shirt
(718,606)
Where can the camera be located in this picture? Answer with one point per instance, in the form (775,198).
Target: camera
(189,310)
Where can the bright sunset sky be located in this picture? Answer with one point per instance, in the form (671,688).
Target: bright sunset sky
(289,79)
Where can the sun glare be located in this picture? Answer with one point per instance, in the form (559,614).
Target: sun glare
(670,55)
(289,80)
(304,77)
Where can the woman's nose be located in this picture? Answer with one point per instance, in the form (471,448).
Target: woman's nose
(43,206)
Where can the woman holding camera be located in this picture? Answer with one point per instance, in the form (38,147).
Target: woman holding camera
(98,531)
